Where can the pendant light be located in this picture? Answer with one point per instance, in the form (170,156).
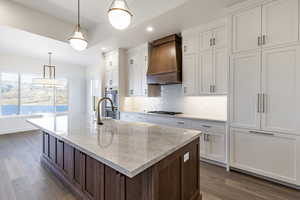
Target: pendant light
(119,14)
(48,79)
(78,41)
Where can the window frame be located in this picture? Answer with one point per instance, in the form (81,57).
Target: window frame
(18,113)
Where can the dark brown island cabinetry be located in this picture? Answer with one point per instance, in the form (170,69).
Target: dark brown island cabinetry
(173,178)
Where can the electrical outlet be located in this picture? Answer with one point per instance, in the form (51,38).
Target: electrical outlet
(186,157)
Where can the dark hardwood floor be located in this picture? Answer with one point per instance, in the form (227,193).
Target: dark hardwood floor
(23,178)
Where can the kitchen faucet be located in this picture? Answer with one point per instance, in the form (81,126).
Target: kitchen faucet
(99,122)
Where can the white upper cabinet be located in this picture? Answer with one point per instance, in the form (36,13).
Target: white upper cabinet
(280,22)
(189,75)
(221,62)
(271,24)
(245,87)
(112,69)
(206,40)
(220,37)
(246,29)
(281,90)
(207,75)
(205,70)
(137,59)
(190,43)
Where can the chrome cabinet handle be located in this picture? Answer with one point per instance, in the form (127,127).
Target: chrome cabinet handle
(184,48)
(258,102)
(214,41)
(264,102)
(259,41)
(210,42)
(261,133)
(184,89)
(181,122)
(264,41)
(206,126)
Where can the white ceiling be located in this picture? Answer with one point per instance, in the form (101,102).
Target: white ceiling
(166,16)
(17,42)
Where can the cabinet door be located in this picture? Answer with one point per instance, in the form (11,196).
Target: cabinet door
(202,146)
(215,147)
(281,86)
(246,29)
(115,77)
(52,148)
(60,154)
(46,144)
(207,72)
(144,69)
(206,40)
(280,22)
(131,76)
(272,155)
(220,37)
(108,79)
(93,178)
(188,74)
(221,62)
(245,87)
(69,161)
(190,43)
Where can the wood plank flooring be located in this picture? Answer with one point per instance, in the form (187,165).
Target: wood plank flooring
(23,178)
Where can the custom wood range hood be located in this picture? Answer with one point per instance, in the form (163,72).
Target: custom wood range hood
(165,65)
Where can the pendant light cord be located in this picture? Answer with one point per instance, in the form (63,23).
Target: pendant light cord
(78,16)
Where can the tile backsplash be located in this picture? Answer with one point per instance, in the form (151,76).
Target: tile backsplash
(172,99)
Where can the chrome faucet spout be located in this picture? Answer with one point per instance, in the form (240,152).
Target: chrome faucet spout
(99,121)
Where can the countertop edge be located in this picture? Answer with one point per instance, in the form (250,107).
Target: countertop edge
(118,168)
(179,117)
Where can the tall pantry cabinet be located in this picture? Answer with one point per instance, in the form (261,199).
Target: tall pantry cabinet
(265,90)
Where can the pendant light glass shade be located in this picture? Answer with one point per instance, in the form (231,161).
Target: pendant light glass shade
(119,14)
(78,41)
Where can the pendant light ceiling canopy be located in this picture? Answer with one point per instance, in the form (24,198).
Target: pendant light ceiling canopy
(78,41)
(119,14)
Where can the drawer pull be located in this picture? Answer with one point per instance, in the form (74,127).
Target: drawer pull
(206,126)
(180,122)
(262,133)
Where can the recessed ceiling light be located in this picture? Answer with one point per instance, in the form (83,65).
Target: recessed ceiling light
(103,48)
(149,29)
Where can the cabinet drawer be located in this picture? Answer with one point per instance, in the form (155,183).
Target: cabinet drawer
(269,154)
(208,127)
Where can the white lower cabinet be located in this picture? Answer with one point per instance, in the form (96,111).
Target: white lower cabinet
(268,154)
(212,140)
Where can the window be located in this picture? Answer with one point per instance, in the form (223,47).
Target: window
(9,94)
(19,95)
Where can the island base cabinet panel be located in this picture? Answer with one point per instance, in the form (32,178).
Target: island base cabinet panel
(52,148)
(46,144)
(175,177)
(68,161)
(268,154)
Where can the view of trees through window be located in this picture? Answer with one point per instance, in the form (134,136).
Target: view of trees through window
(19,95)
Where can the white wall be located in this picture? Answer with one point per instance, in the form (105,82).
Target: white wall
(75,74)
(172,99)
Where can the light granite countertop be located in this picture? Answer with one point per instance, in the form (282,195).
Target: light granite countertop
(128,147)
(184,116)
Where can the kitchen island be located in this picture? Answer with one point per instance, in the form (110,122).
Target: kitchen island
(121,160)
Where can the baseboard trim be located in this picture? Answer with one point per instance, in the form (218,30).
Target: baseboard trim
(266,178)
